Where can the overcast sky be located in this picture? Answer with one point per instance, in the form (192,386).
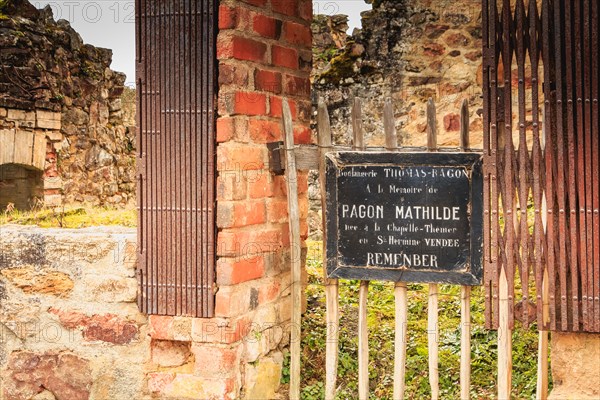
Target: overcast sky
(110,23)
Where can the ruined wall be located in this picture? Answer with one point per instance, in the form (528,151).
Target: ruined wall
(408,51)
(575,366)
(53,87)
(69,323)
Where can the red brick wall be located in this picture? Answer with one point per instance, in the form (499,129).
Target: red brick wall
(264,52)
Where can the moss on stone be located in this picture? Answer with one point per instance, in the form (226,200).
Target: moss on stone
(341,66)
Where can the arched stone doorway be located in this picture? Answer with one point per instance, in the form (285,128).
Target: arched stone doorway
(21,186)
(22,163)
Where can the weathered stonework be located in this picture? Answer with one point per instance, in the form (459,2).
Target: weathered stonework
(408,51)
(575,366)
(58,338)
(61,115)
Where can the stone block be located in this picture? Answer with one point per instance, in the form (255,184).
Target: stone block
(52,200)
(575,366)
(187,386)
(31,281)
(48,120)
(54,182)
(54,136)
(63,375)
(20,115)
(111,289)
(7,150)
(158,381)
(3,112)
(24,142)
(263,379)
(220,330)
(161,327)
(166,353)
(214,361)
(108,328)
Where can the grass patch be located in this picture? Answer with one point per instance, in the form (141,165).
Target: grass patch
(381,342)
(71,217)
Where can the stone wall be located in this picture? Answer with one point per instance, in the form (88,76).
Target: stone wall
(575,366)
(408,51)
(69,323)
(55,88)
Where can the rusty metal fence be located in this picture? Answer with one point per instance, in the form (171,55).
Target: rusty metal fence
(541,82)
(176,82)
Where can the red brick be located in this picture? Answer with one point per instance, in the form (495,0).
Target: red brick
(231,186)
(213,361)
(249,103)
(298,34)
(263,131)
(306,10)
(277,210)
(233,271)
(225,129)
(249,213)
(161,327)
(295,85)
(240,159)
(248,49)
(235,300)
(305,60)
(279,186)
(285,235)
(302,135)
(241,48)
(233,74)
(269,292)
(287,7)
(236,242)
(227,17)
(284,57)
(244,19)
(276,109)
(232,128)
(304,111)
(266,26)
(303,207)
(267,80)
(302,182)
(303,229)
(261,186)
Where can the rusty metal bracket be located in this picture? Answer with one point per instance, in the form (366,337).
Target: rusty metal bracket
(276,157)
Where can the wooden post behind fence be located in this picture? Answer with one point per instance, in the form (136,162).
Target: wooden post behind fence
(331,285)
(465,291)
(432,308)
(400,290)
(363,330)
(542,368)
(296,265)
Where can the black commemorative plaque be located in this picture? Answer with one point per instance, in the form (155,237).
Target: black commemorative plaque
(411,217)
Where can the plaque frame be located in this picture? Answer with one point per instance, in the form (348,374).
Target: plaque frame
(470,275)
